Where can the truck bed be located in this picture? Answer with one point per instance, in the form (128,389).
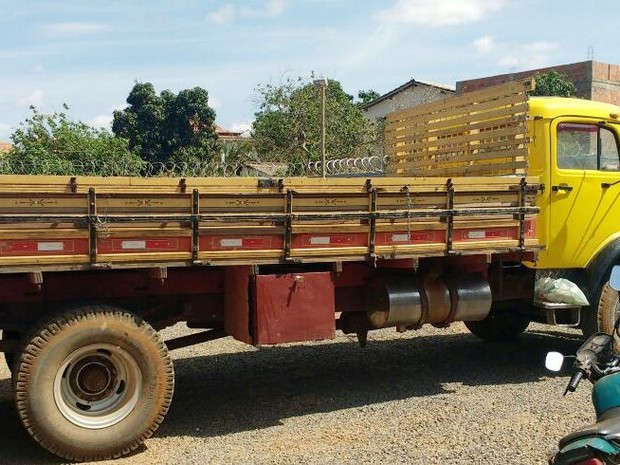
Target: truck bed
(68,223)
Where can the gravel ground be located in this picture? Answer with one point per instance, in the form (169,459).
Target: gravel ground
(435,396)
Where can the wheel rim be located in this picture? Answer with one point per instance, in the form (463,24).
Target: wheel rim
(97,386)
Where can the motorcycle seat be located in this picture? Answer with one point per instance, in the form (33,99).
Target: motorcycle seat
(607,427)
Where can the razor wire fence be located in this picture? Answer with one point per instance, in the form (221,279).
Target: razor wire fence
(358,166)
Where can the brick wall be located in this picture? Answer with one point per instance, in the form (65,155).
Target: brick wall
(593,80)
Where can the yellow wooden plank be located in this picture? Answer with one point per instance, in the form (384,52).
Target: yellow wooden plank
(430,145)
(484,113)
(434,162)
(470,98)
(491,169)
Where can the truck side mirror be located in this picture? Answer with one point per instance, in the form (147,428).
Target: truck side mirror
(614,279)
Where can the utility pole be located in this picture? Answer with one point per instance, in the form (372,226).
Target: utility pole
(322,84)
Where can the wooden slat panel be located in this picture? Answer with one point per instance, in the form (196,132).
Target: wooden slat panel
(480,133)
(482,127)
(471,98)
(485,111)
(477,170)
(474,138)
(504,155)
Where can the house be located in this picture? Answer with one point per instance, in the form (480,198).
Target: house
(5,147)
(226,135)
(410,94)
(593,80)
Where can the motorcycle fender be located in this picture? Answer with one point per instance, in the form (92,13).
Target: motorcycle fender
(584,449)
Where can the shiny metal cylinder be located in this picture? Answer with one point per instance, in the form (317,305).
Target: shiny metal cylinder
(471,297)
(397,301)
(394,302)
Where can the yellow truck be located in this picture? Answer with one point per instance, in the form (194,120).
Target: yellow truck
(481,192)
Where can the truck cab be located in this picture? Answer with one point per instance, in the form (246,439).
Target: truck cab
(575,151)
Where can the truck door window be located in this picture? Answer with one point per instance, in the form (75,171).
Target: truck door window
(587,147)
(610,159)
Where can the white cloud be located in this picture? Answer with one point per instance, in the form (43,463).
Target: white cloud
(38,68)
(542,47)
(243,127)
(5,131)
(228,13)
(222,15)
(528,56)
(372,47)
(72,29)
(439,12)
(35,98)
(101,121)
(272,8)
(508,61)
(214,102)
(484,44)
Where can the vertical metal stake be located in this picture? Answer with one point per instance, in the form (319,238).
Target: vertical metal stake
(195,224)
(92,225)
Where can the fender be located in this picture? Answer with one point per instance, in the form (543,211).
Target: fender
(599,267)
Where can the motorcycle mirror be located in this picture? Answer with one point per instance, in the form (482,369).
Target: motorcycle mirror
(554,361)
(614,279)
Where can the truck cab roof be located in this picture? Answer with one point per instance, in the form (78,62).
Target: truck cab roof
(553,107)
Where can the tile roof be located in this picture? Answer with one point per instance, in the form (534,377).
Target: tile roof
(5,147)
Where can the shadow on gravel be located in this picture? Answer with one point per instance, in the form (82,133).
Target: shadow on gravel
(16,446)
(229,393)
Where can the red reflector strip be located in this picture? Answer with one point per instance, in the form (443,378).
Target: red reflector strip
(310,241)
(135,245)
(530,229)
(59,247)
(482,234)
(240,242)
(409,238)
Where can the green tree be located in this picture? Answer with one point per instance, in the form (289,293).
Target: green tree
(553,84)
(168,127)
(289,119)
(366,96)
(55,144)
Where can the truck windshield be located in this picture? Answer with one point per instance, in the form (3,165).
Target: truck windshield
(587,147)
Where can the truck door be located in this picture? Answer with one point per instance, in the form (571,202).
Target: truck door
(585,205)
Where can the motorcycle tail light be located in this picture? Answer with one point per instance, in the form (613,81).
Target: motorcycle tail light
(592,461)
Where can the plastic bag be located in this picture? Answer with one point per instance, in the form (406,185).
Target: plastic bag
(561,291)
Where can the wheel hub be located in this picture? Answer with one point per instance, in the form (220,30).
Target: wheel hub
(97,386)
(93,378)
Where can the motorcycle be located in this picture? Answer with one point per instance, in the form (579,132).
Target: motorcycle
(597,444)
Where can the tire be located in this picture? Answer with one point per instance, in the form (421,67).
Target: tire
(93,384)
(499,326)
(607,311)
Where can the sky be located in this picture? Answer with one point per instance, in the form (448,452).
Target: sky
(89,54)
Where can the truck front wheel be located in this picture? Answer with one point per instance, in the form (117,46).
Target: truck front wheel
(602,316)
(93,384)
(499,326)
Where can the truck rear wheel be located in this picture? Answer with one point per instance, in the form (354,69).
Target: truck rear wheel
(93,384)
(499,326)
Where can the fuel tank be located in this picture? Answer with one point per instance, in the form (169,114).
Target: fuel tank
(401,300)
(606,394)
